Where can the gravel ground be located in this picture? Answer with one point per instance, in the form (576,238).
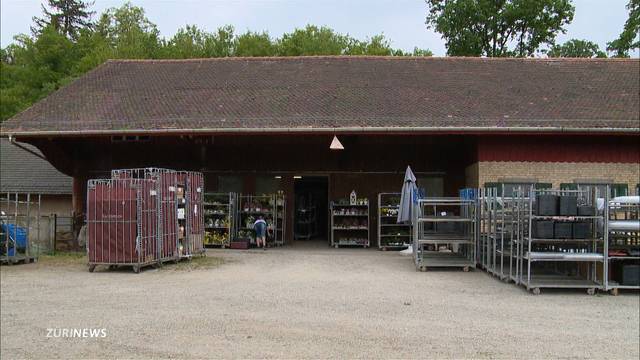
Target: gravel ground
(293,303)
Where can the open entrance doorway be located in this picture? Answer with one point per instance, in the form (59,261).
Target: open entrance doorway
(311,208)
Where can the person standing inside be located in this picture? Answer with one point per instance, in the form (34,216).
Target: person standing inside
(260,227)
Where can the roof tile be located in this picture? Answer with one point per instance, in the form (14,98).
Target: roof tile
(335,92)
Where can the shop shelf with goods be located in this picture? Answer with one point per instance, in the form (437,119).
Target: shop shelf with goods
(500,227)
(391,234)
(565,240)
(122,223)
(350,223)
(219,215)
(280,227)
(250,208)
(623,248)
(190,215)
(19,225)
(444,233)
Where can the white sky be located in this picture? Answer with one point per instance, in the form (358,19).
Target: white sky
(402,21)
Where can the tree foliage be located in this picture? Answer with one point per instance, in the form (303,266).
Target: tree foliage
(313,41)
(575,48)
(192,42)
(255,44)
(69,16)
(128,32)
(498,27)
(65,44)
(629,39)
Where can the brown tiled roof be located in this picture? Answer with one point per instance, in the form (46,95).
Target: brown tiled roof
(343,93)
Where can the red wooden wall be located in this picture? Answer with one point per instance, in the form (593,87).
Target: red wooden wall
(606,149)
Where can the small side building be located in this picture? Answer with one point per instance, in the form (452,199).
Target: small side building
(25,172)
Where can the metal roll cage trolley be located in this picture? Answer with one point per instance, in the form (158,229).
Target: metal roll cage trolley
(444,233)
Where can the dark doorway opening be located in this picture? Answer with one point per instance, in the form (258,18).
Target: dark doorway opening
(311,208)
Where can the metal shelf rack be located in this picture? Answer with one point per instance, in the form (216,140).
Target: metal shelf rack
(280,227)
(249,208)
(391,235)
(166,182)
(568,263)
(501,226)
(192,183)
(623,246)
(219,218)
(350,224)
(444,233)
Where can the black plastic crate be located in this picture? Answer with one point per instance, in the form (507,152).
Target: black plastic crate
(586,210)
(568,205)
(543,229)
(582,230)
(547,205)
(631,275)
(563,230)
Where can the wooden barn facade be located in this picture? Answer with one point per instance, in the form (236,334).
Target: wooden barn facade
(259,125)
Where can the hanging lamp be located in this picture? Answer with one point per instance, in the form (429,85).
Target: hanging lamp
(336,144)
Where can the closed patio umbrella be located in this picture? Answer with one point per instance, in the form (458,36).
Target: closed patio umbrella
(409,189)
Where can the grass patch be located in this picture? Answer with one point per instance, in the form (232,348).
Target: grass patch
(196,263)
(63,258)
(80,259)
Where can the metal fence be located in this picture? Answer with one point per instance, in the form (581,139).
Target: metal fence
(21,227)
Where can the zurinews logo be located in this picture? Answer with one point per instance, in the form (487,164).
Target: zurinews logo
(76,333)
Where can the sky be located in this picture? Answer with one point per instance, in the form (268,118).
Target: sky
(401,21)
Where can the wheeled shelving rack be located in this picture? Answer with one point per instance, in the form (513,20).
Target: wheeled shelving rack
(192,184)
(219,218)
(565,261)
(391,235)
(500,226)
(350,224)
(622,251)
(444,233)
(280,228)
(166,183)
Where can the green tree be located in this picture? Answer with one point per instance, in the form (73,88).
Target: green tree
(129,33)
(92,49)
(192,42)
(221,43)
(421,52)
(255,44)
(378,45)
(629,39)
(575,48)
(498,27)
(69,16)
(32,68)
(63,47)
(312,40)
(188,42)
